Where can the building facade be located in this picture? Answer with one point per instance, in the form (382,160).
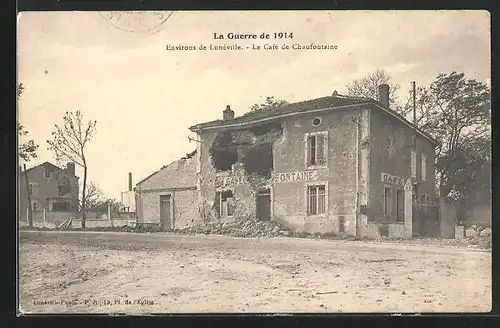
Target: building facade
(334,165)
(51,188)
(168,196)
(128,197)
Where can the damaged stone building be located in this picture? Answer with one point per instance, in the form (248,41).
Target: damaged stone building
(336,165)
(168,196)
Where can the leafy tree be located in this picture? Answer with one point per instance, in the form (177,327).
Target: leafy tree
(456,111)
(69,144)
(270,102)
(472,172)
(367,87)
(28,149)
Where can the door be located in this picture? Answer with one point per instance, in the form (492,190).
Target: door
(165,212)
(264,205)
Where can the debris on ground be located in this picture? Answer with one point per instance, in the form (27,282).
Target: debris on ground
(248,227)
(240,228)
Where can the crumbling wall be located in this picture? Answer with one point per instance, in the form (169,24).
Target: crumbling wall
(245,153)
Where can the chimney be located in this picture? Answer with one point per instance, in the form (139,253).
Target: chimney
(70,167)
(130,181)
(383,95)
(228,114)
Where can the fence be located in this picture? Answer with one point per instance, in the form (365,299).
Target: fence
(52,219)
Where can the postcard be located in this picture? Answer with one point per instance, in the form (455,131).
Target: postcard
(254,162)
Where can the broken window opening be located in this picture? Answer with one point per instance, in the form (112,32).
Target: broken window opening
(259,160)
(223,160)
(224,203)
(253,147)
(223,153)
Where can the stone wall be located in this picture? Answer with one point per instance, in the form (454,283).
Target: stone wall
(178,180)
(185,211)
(389,230)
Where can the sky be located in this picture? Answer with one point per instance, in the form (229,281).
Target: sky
(145,97)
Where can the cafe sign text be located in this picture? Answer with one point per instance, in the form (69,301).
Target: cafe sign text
(229,181)
(392,179)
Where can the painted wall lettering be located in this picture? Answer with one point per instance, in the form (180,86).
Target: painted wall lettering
(295,176)
(392,179)
(229,181)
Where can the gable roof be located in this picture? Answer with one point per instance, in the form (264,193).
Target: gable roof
(324,103)
(46,164)
(303,106)
(170,173)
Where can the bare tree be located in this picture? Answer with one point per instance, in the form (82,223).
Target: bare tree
(367,87)
(69,143)
(28,149)
(94,196)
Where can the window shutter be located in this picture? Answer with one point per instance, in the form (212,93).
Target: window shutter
(320,152)
(413,164)
(312,150)
(424,167)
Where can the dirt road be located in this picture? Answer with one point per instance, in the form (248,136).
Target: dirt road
(83,272)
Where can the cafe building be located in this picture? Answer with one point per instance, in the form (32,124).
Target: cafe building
(336,165)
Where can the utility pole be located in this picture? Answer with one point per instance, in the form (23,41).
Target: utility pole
(30,214)
(414,104)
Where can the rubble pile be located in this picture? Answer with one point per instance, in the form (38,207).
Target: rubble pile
(240,228)
(123,228)
(477,231)
(148,228)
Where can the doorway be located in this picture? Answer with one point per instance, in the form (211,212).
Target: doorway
(166,212)
(264,205)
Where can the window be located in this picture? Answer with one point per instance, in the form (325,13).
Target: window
(387,201)
(316,196)
(413,165)
(224,205)
(60,206)
(47,173)
(424,166)
(316,148)
(33,189)
(400,205)
(390,146)
(316,121)
(34,206)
